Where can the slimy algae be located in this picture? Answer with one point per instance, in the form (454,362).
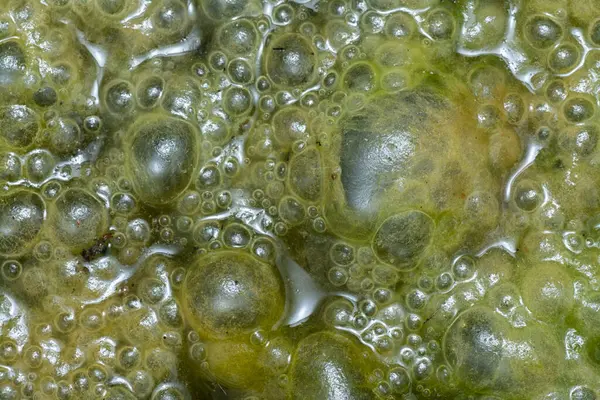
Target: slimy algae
(243,199)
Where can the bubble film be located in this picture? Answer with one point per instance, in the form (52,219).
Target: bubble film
(312,200)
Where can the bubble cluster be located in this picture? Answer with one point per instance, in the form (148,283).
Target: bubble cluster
(381,199)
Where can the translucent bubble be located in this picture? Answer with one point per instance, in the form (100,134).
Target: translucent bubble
(91,319)
(237,101)
(168,393)
(8,391)
(542,32)
(394,81)
(161,159)
(416,299)
(111,7)
(290,60)
(206,232)
(291,211)
(65,322)
(337,276)
(33,356)
(240,71)
(22,214)
(170,16)
(217,61)
(10,166)
(189,202)
(229,293)
(578,109)
(504,150)
(399,380)
(360,77)
(283,14)
(236,235)
(45,96)
(488,116)
(594,32)
(238,37)
(12,62)
(19,125)
(43,250)
(138,230)
(63,73)
(66,136)
(444,281)
(485,81)
(169,312)
(224,199)
(123,203)
(92,123)
(79,217)
(400,26)
(290,125)
(514,107)
(582,393)
(342,254)
(216,130)
(340,33)
(464,267)
(548,291)
(334,371)
(264,249)
(129,357)
(11,270)
(152,290)
(440,25)
(556,91)
(473,345)
(231,166)
(119,97)
(372,22)
(149,91)
(581,140)
(221,9)
(209,178)
(141,382)
(80,381)
(402,238)
(528,195)
(564,58)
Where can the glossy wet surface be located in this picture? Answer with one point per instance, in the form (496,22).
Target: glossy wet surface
(392,199)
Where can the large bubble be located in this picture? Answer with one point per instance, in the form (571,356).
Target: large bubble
(22,215)
(19,125)
(474,346)
(325,367)
(402,238)
(79,218)
(229,293)
(291,60)
(162,158)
